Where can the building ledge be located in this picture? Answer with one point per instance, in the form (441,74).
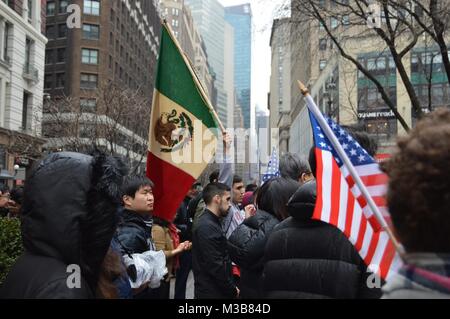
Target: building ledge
(6,63)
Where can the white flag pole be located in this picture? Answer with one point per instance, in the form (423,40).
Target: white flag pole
(338,147)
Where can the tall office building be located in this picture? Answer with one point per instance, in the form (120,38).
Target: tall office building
(209,17)
(180,19)
(240,17)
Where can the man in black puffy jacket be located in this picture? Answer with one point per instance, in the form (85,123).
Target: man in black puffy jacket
(246,244)
(307,258)
(68,220)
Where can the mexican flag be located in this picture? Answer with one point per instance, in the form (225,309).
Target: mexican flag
(183,130)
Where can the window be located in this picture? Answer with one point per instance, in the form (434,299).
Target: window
(89,56)
(174,11)
(110,62)
(60,80)
(91,7)
(28,48)
(88,105)
(30,10)
(63,6)
(91,31)
(50,31)
(89,81)
(321,26)
(111,16)
(334,23)
(345,20)
(111,39)
(175,23)
(48,81)
(26,99)
(322,44)
(49,56)
(62,30)
(6,41)
(51,7)
(61,55)
(322,64)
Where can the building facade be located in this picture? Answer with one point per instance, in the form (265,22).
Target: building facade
(179,17)
(22,55)
(240,17)
(209,17)
(116,42)
(279,101)
(346,94)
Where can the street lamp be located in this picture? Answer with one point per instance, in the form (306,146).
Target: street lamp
(330,89)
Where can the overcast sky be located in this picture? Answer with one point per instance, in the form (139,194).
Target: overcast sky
(263,14)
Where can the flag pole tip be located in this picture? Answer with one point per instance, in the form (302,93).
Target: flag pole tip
(303,88)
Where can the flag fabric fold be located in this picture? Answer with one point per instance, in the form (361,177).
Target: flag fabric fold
(341,203)
(273,167)
(180,119)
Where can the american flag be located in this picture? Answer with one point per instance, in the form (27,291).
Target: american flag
(341,203)
(273,168)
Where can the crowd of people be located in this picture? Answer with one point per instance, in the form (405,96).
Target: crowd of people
(240,241)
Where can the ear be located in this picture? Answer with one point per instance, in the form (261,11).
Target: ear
(127,200)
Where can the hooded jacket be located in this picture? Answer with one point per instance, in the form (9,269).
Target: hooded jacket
(68,220)
(307,258)
(246,246)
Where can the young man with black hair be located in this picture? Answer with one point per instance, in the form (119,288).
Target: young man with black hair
(210,259)
(134,232)
(135,228)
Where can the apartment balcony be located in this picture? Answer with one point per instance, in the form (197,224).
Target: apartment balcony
(30,73)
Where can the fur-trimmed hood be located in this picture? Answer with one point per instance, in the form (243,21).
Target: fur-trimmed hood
(69,209)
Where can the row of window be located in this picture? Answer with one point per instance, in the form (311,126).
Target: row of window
(88,56)
(91,7)
(90,31)
(334,22)
(87,81)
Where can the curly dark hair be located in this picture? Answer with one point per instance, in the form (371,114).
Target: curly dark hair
(419,185)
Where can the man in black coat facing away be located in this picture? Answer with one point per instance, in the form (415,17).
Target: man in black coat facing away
(211,261)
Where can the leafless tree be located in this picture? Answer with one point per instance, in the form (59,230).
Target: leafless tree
(403,24)
(117,123)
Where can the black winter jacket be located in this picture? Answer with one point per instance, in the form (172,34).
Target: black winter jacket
(134,233)
(68,220)
(246,245)
(183,221)
(211,262)
(306,258)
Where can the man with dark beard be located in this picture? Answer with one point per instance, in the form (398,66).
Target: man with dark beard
(211,261)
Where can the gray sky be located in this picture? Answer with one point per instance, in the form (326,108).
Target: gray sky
(263,13)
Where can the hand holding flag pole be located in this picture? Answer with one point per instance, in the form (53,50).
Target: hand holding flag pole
(338,147)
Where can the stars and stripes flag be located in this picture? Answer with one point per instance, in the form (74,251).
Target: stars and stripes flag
(340,201)
(273,167)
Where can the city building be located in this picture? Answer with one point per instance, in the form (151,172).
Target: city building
(179,18)
(279,100)
(347,95)
(22,55)
(240,17)
(116,42)
(209,18)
